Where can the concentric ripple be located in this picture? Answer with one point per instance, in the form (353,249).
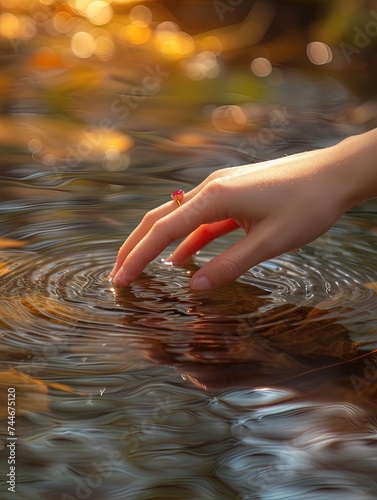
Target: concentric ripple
(67,286)
(323,293)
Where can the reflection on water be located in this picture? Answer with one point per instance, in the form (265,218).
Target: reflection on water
(264,389)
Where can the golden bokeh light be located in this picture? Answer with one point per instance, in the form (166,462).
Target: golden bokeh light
(212,43)
(80,5)
(261,67)
(229,118)
(132,34)
(10,26)
(104,48)
(99,12)
(203,65)
(49,160)
(28,28)
(34,145)
(114,162)
(173,43)
(63,22)
(167,26)
(319,53)
(141,16)
(83,44)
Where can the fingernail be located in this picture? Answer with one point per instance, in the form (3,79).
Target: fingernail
(201,283)
(119,279)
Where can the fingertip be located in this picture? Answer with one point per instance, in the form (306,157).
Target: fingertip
(200,283)
(122,279)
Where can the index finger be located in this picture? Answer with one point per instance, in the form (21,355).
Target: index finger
(164,231)
(146,224)
(138,234)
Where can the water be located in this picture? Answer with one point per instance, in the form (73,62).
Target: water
(264,389)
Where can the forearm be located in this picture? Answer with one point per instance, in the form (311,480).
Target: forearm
(358,157)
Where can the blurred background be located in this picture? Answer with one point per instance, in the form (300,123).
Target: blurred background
(85,81)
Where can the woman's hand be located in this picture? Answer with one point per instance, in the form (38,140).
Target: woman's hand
(281,205)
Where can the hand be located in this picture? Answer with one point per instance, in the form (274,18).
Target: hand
(280,204)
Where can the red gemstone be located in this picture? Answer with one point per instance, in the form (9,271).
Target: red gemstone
(178,196)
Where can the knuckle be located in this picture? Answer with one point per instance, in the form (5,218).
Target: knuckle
(158,226)
(214,188)
(212,176)
(162,230)
(218,174)
(150,218)
(207,201)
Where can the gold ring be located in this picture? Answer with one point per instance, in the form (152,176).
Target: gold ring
(177,196)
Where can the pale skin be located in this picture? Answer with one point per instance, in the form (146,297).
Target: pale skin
(281,205)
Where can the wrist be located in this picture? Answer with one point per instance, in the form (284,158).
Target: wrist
(357,156)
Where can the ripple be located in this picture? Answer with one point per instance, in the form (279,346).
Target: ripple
(63,295)
(291,451)
(331,271)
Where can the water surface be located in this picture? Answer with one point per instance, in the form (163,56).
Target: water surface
(264,389)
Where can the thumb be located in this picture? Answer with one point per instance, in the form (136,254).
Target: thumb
(259,244)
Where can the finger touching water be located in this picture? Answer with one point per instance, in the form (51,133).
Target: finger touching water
(281,204)
(159,229)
